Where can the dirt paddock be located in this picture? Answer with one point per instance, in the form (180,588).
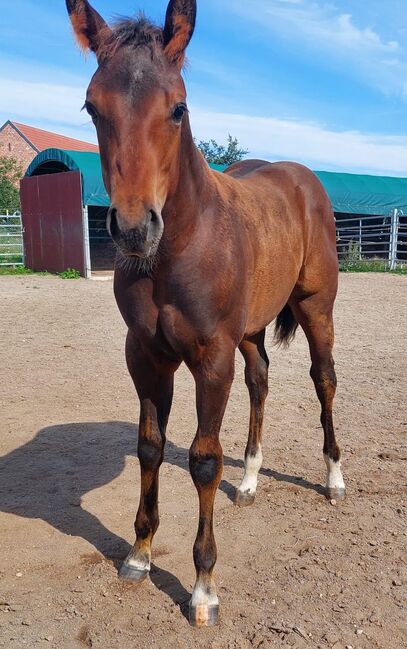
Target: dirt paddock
(293,570)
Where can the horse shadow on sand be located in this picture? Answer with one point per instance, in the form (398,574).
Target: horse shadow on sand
(47,477)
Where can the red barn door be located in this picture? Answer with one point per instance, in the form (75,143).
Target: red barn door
(52,212)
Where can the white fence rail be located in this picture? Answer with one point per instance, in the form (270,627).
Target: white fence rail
(367,238)
(11,239)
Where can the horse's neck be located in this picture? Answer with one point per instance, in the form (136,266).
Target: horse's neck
(193,193)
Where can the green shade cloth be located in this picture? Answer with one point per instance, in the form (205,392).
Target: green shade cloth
(349,193)
(361,194)
(357,194)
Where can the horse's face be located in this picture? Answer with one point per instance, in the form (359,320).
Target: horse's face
(138,108)
(137,101)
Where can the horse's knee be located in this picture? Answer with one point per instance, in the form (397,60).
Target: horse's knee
(150,453)
(205,464)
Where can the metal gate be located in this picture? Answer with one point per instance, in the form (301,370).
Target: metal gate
(55,223)
(379,238)
(11,239)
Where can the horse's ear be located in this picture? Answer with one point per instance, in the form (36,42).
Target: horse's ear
(89,27)
(178,29)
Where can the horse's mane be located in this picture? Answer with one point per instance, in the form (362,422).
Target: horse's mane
(134,32)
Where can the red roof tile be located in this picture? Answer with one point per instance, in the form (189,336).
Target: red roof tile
(46,140)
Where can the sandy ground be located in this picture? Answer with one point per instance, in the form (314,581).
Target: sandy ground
(293,570)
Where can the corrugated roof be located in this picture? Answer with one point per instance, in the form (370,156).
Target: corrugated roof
(42,140)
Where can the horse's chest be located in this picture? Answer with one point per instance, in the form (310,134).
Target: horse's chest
(184,334)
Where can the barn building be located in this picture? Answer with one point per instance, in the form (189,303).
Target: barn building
(64,206)
(24,142)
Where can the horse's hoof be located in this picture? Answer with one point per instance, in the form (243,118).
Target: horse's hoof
(335,493)
(244,499)
(203,615)
(131,573)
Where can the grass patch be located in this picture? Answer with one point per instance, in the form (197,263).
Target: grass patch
(69,273)
(22,270)
(15,270)
(372,267)
(351,262)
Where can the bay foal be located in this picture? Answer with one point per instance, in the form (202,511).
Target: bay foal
(205,262)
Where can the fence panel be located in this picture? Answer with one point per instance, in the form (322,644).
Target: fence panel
(11,239)
(372,238)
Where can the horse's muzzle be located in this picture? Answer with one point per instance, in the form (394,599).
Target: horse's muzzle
(139,241)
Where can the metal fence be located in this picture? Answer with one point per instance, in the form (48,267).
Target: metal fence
(360,239)
(11,239)
(372,238)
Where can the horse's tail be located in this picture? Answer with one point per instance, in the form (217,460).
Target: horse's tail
(285,327)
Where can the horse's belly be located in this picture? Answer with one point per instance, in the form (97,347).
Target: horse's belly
(272,285)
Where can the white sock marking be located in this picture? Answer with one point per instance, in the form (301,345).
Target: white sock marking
(139,564)
(251,470)
(334,479)
(200,596)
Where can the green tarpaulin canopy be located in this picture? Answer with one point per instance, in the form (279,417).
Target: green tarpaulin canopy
(349,193)
(357,194)
(88,164)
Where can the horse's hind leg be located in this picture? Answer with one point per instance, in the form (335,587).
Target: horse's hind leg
(154,385)
(256,375)
(315,317)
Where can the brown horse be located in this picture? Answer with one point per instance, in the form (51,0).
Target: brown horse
(205,262)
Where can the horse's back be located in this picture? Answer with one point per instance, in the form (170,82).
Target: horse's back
(285,174)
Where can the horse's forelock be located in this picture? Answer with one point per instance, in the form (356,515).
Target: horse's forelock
(134,32)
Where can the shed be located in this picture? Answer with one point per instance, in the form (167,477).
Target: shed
(64,206)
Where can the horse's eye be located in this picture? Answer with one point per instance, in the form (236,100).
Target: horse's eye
(179,112)
(91,110)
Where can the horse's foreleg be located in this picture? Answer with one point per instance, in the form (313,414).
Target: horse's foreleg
(213,380)
(315,317)
(154,385)
(256,375)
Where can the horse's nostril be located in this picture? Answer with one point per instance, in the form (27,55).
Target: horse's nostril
(154,218)
(113,225)
(154,225)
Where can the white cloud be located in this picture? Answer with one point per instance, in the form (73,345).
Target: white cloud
(311,144)
(44,97)
(319,27)
(56,106)
(43,100)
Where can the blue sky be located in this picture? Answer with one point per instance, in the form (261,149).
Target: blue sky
(323,83)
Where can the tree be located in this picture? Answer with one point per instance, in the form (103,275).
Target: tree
(215,153)
(10,174)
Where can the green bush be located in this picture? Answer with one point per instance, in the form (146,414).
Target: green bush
(10,174)
(351,260)
(69,273)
